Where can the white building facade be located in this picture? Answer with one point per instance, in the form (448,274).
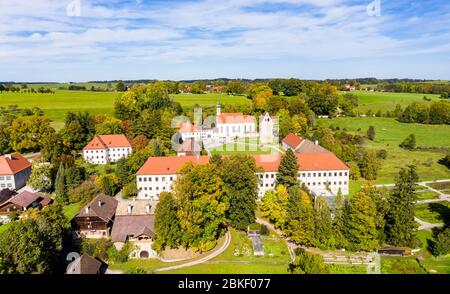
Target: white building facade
(15,170)
(323,173)
(105,149)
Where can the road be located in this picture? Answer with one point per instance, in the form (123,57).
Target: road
(201,260)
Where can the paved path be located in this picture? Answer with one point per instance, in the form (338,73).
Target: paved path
(201,260)
(425,225)
(424,184)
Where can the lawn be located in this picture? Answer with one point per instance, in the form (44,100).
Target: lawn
(389,134)
(387,101)
(427,195)
(238,258)
(400,265)
(436,212)
(71,210)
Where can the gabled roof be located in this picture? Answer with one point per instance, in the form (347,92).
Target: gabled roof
(126,226)
(293,140)
(187,127)
(320,161)
(169,165)
(85,265)
(26,199)
(13,163)
(102,206)
(108,141)
(310,147)
(234,118)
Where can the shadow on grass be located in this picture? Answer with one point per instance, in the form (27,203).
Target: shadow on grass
(442,210)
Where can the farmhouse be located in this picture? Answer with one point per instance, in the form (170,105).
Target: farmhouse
(134,222)
(107,148)
(14,171)
(96,218)
(322,172)
(22,202)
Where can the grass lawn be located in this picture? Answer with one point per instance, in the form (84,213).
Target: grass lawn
(441,186)
(437,212)
(427,195)
(71,210)
(387,101)
(389,134)
(400,265)
(149,265)
(238,258)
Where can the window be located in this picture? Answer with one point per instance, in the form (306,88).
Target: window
(272,176)
(329,174)
(267,176)
(145,179)
(335,174)
(340,174)
(156,179)
(319,174)
(309,175)
(163,179)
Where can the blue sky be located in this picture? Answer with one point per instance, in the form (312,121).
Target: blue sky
(41,40)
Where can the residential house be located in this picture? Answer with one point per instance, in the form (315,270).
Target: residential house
(95,219)
(104,149)
(22,202)
(135,222)
(15,171)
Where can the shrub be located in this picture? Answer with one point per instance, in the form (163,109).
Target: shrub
(409,143)
(96,247)
(307,263)
(129,190)
(136,271)
(382,153)
(264,230)
(441,245)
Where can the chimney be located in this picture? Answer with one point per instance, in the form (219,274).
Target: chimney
(87,209)
(129,208)
(8,156)
(147,208)
(316,142)
(100,203)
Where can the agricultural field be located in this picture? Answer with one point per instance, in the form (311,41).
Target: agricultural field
(387,100)
(55,106)
(389,134)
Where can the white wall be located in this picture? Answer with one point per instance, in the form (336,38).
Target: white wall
(103,156)
(15,182)
(150,186)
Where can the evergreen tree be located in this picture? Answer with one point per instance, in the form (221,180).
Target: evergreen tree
(339,221)
(300,227)
(288,170)
(60,185)
(167,225)
(371,133)
(400,224)
(361,223)
(381,205)
(323,223)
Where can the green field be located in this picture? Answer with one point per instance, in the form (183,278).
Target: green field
(387,101)
(56,105)
(389,134)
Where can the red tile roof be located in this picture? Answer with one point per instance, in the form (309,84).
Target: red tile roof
(13,164)
(269,163)
(108,141)
(169,165)
(187,128)
(235,118)
(293,140)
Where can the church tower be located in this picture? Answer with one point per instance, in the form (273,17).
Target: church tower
(218,112)
(266,130)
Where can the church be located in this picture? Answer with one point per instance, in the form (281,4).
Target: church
(230,126)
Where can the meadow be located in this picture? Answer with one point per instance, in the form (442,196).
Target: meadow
(384,101)
(389,134)
(55,106)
